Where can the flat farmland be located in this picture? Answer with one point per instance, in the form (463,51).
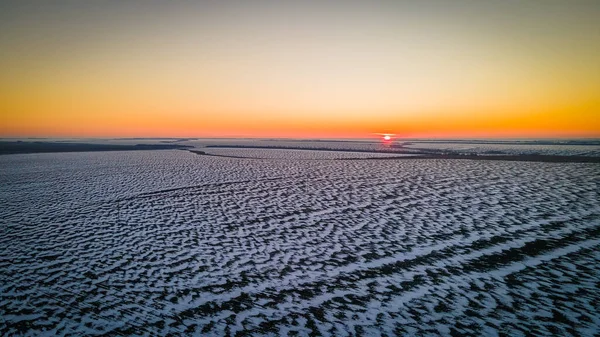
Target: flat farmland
(282,242)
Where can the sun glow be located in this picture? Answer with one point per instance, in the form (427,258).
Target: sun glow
(300,69)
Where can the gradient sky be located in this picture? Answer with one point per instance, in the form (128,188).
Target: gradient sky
(300,69)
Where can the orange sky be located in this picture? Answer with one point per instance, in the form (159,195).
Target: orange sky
(496,69)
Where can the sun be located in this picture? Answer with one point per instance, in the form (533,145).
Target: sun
(386,137)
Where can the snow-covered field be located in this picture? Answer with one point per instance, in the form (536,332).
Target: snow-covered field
(508,149)
(278,154)
(169,242)
(589,148)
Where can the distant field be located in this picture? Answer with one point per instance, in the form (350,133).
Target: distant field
(586,148)
(17,147)
(485,148)
(273,242)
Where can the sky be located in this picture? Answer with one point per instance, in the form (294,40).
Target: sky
(315,69)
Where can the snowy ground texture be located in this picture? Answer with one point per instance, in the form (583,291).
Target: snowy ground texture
(173,243)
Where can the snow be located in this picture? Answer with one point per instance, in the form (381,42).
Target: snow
(296,242)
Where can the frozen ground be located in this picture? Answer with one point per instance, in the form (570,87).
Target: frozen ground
(508,149)
(589,148)
(169,242)
(490,147)
(278,154)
